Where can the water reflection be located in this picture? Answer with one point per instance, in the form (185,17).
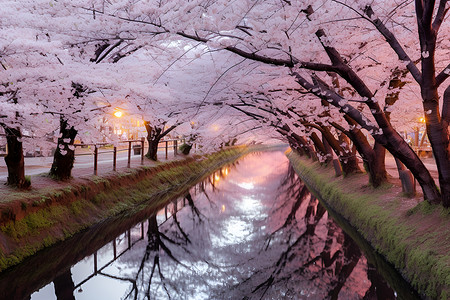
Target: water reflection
(251,231)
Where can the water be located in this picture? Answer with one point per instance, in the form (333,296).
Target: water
(251,231)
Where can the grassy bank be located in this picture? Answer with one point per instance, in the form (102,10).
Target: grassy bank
(31,221)
(413,236)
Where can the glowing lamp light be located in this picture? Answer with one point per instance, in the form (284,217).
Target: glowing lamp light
(118,114)
(223,208)
(422,120)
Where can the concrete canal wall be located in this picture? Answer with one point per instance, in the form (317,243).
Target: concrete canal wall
(33,220)
(410,234)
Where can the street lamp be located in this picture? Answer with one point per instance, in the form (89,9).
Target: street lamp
(418,143)
(118,114)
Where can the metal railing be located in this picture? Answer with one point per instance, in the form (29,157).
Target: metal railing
(137,145)
(166,213)
(102,149)
(116,254)
(114,152)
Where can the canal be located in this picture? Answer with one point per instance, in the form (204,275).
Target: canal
(251,230)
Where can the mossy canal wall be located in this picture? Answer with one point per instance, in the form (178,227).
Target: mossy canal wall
(32,222)
(415,240)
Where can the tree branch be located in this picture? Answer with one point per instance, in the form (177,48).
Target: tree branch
(441,77)
(440,15)
(318,67)
(395,45)
(109,51)
(247,113)
(419,11)
(249,55)
(338,101)
(168,130)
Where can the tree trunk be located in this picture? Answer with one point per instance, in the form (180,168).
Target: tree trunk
(152,152)
(294,145)
(350,157)
(406,178)
(439,140)
(438,133)
(373,158)
(65,152)
(445,121)
(14,159)
(154,136)
(302,142)
(348,162)
(328,148)
(321,149)
(377,172)
(389,138)
(408,186)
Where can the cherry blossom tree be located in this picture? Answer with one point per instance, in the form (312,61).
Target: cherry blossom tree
(352,41)
(248,36)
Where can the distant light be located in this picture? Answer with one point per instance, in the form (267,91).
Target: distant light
(216,177)
(223,208)
(118,114)
(422,120)
(246,185)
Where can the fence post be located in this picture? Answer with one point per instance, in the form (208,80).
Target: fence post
(95,159)
(129,154)
(167,149)
(175,146)
(142,150)
(114,158)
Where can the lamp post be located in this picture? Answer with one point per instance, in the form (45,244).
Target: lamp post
(416,136)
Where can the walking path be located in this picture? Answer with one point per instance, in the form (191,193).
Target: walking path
(38,167)
(430,163)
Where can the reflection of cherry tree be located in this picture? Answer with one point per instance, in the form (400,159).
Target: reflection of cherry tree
(314,250)
(153,270)
(379,289)
(64,286)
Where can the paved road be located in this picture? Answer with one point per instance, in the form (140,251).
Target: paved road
(84,162)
